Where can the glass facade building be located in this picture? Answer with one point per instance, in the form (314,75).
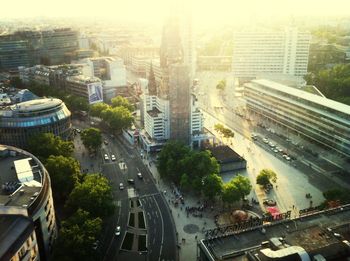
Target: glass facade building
(321,120)
(18,122)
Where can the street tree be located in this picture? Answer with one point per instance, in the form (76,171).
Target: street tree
(94,195)
(123,102)
(97,108)
(243,185)
(184,182)
(212,186)
(266,176)
(45,144)
(336,194)
(64,174)
(221,85)
(76,237)
(230,193)
(92,139)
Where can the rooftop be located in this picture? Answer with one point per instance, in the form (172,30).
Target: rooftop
(312,232)
(224,154)
(305,95)
(21,177)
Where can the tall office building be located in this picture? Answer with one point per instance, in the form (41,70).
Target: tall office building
(28,48)
(257,53)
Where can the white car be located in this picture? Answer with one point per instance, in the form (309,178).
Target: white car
(106,157)
(113,157)
(121,186)
(139,175)
(117,231)
(265,140)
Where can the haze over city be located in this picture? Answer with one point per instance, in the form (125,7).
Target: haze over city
(167,130)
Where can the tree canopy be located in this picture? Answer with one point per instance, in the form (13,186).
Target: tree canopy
(120,101)
(226,132)
(76,237)
(266,176)
(43,145)
(221,85)
(336,194)
(92,138)
(94,195)
(212,186)
(64,173)
(238,188)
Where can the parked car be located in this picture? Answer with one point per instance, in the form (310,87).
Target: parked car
(131,181)
(113,157)
(265,140)
(95,245)
(106,157)
(139,175)
(269,202)
(105,142)
(121,186)
(117,231)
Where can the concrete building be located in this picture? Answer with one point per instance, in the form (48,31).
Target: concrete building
(26,191)
(87,87)
(320,120)
(274,52)
(315,235)
(21,120)
(17,238)
(111,71)
(27,48)
(128,51)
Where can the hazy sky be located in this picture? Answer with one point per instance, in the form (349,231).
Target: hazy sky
(154,10)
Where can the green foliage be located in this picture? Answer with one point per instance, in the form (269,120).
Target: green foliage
(236,189)
(184,181)
(243,185)
(92,138)
(266,176)
(334,83)
(212,186)
(226,132)
(64,174)
(97,108)
(343,195)
(76,237)
(94,195)
(176,158)
(121,101)
(221,85)
(45,144)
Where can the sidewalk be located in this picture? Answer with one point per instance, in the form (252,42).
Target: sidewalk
(189,229)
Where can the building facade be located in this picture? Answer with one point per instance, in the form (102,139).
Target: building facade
(21,120)
(28,48)
(316,118)
(26,191)
(272,52)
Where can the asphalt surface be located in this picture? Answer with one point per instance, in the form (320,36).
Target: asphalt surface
(160,228)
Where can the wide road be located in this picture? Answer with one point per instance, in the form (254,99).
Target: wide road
(160,226)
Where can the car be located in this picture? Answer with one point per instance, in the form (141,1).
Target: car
(131,181)
(265,140)
(117,231)
(279,149)
(106,157)
(288,158)
(113,157)
(139,175)
(275,150)
(269,202)
(271,144)
(78,130)
(121,186)
(105,142)
(95,245)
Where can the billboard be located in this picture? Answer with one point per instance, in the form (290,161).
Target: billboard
(95,92)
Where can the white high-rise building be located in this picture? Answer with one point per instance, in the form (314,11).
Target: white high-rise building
(261,52)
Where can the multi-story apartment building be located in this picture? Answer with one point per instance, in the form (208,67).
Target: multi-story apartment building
(26,191)
(85,86)
(21,120)
(272,52)
(17,238)
(128,51)
(316,118)
(27,48)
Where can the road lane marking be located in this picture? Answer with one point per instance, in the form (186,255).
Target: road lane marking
(161,217)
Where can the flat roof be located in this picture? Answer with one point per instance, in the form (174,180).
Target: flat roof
(225,154)
(36,105)
(305,95)
(18,188)
(307,232)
